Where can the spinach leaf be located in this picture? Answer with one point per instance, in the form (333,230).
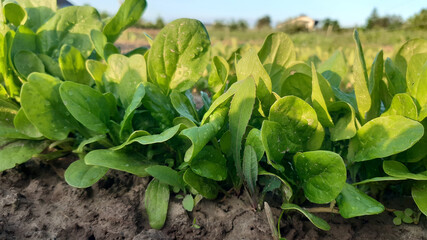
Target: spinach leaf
(156,202)
(353,203)
(80,175)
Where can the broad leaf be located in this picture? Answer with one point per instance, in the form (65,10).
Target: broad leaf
(72,64)
(206,187)
(80,175)
(407,50)
(210,163)
(399,170)
(384,136)
(129,13)
(354,203)
(43,106)
(344,118)
(219,73)
(323,175)
(27,62)
(23,125)
(179,55)
(123,161)
(96,70)
(298,85)
(67,27)
(159,105)
(14,153)
(416,78)
(14,13)
(156,202)
(183,106)
(402,104)
(86,105)
(39,11)
(166,175)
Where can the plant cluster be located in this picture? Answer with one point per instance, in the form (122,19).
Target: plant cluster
(270,124)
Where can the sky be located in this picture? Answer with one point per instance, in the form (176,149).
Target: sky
(348,13)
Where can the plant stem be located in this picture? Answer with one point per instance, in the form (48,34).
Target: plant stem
(323,210)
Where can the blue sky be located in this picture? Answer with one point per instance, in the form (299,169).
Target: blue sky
(348,13)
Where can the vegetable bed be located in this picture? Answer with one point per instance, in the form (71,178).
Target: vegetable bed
(274,136)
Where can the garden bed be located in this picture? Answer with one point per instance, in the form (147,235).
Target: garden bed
(36,203)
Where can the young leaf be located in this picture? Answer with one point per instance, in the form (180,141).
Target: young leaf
(166,175)
(276,54)
(188,202)
(159,105)
(179,55)
(399,170)
(200,136)
(72,64)
(219,73)
(43,106)
(122,161)
(419,194)
(14,13)
(250,168)
(206,187)
(354,203)
(240,113)
(156,202)
(383,137)
(183,106)
(210,163)
(319,100)
(126,124)
(96,70)
(66,27)
(129,13)
(99,40)
(86,105)
(361,86)
(123,75)
(323,175)
(144,138)
(402,104)
(14,153)
(254,140)
(318,222)
(344,118)
(80,175)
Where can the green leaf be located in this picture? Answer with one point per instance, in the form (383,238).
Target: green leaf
(159,105)
(323,175)
(418,151)
(86,105)
(200,136)
(27,62)
(276,54)
(179,55)
(210,163)
(43,106)
(129,13)
(383,137)
(188,202)
(239,115)
(319,100)
(361,84)
(254,140)
(419,194)
(375,78)
(335,67)
(126,124)
(8,111)
(399,170)
(291,125)
(23,125)
(166,175)
(72,64)
(407,50)
(10,80)
(318,222)
(354,203)
(51,66)
(219,73)
(378,179)
(39,11)
(14,13)
(80,175)
(403,105)
(123,76)
(183,106)
(82,145)
(67,27)
(250,168)
(17,152)
(96,70)
(144,138)
(298,85)
(156,202)
(416,78)
(206,187)
(99,40)
(128,162)
(24,40)
(286,187)
(344,118)
(395,79)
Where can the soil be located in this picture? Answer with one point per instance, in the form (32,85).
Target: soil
(36,203)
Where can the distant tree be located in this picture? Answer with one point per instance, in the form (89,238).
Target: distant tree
(418,20)
(159,23)
(388,22)
(264,22)
(219,25)
(332,24)
(240,25)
